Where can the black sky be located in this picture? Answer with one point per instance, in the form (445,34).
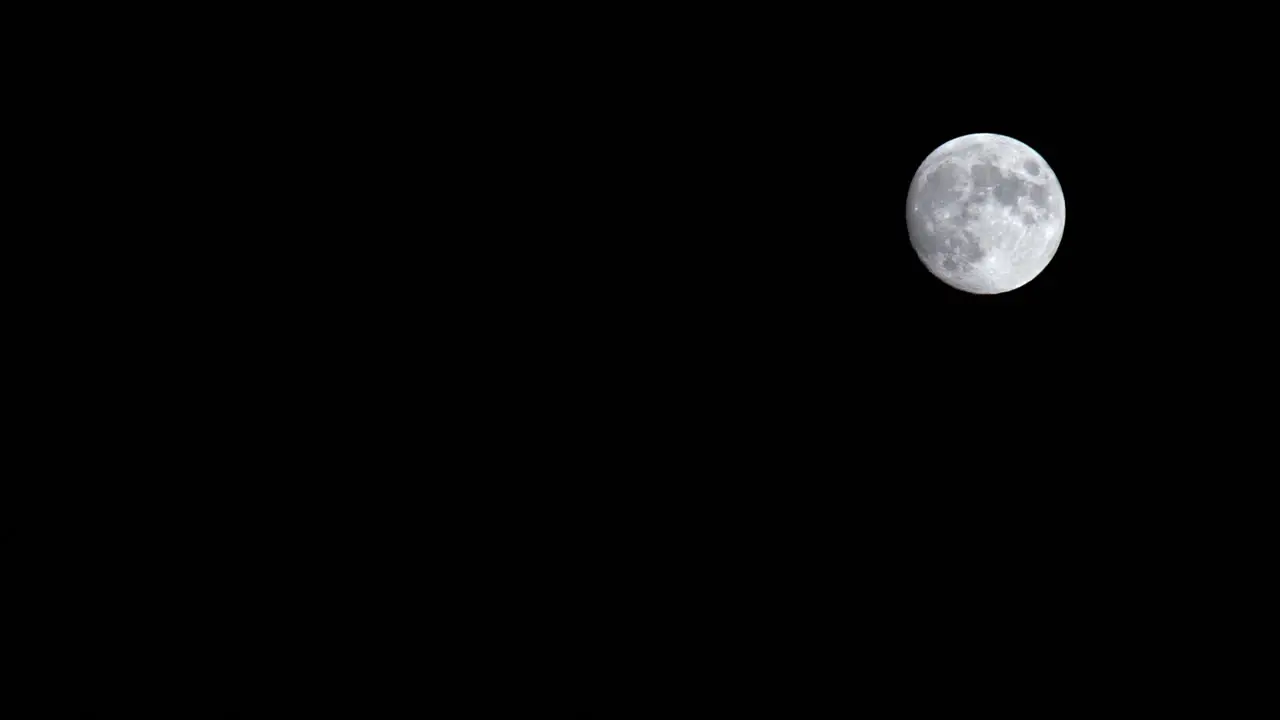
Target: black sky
(747,198)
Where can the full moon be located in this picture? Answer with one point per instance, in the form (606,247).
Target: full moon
(985,213)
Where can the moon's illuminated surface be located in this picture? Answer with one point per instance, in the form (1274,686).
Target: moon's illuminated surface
(985,213)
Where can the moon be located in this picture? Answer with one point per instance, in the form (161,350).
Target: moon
(985,213)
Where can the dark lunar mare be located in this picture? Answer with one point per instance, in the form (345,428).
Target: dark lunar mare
(1005,188)
(939,187)
(971,250)
(1039,196)
(937,192)
(1008,190)
(986,176)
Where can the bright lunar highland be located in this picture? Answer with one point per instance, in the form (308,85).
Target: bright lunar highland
(985,213)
